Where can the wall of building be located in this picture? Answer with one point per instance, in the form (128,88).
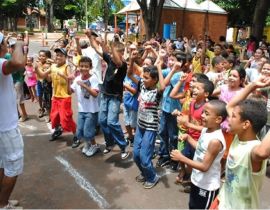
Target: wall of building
(190,23)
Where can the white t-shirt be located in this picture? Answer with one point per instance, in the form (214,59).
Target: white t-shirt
(8,107)
(96,61)
(86,102)
(252,74)
(209,180)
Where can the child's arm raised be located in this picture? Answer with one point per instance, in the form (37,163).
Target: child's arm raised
(134,55)
(175,91)
(162,86)
(213,149)
(261,152)
(93,42)
(261,82)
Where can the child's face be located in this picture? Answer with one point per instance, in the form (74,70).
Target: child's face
(235,122)
(85,69)
(29,62)
(266,69)
(226,65)
(258,54)
(42,57)
(199,53)
(234,79)
(147,62)
(149,82)
(219,66)
(60,59)
(209,117)
(171,61)
(191,83)
(198,92)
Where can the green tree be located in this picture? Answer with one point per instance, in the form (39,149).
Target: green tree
(8,18)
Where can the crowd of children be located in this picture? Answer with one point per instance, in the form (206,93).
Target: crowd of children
(208,118)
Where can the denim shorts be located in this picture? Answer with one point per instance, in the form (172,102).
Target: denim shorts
(39,89)
(11,152)
(130,117)
(86,125)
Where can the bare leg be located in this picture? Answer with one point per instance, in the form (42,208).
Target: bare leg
(129,131)
(34,93)
(22,106)
(31,93)
(7,184)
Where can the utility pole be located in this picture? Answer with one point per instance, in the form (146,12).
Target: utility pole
(86,15)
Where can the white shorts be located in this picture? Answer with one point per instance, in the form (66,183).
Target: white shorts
(11,152)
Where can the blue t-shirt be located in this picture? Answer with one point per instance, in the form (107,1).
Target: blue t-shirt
(169,104)
(130,100)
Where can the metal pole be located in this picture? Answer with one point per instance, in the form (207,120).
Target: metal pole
(86,16)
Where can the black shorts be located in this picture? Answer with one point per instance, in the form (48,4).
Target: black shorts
(200,198)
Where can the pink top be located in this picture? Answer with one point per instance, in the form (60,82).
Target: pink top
(226,95)
(31,77)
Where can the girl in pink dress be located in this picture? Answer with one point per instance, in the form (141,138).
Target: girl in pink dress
(31,78)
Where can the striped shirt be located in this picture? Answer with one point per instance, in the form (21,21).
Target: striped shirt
(148,107)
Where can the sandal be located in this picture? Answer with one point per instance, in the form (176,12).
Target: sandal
(180,177)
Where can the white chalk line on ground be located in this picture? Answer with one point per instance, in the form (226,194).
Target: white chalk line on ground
(37,134)
(30,127)
(84,183)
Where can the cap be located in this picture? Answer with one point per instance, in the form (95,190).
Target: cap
(1,37)
(61,50)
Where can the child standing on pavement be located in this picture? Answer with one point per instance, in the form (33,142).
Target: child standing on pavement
(205,177)
(147,127)
(202,89)
(61,112)
(31,78)
(86,89)
(246,163)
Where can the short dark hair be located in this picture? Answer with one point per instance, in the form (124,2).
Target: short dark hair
(254,111)
(220,107)
(86,59)
(152,70)
(208,85)
(217,60)
(200,76)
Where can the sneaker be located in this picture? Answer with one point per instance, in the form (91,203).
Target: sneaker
(149,185)
(57,132)
(124,155)
(23,118)
(13,202)
(107,150)
(140,178)
(162,162)
(10,206)
(86,147)
(187,189)
(92,150)
(76,142)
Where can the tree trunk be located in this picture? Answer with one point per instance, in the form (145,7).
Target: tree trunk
(106,13)
(151,15)
(50,16)
(62,24)
(260,14)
